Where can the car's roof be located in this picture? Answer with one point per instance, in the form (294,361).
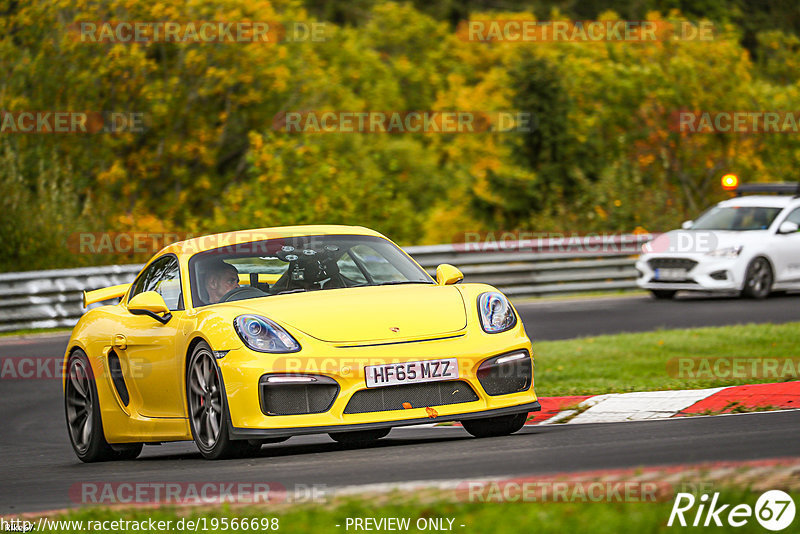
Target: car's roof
(766,201)
(209,242)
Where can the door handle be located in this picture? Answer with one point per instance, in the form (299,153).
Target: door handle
(120,342)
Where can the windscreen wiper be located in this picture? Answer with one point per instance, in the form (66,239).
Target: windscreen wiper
(287,291)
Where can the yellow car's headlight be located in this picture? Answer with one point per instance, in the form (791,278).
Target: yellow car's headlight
(263,335)
(495,312)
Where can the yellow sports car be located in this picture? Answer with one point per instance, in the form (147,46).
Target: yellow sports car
(239,339)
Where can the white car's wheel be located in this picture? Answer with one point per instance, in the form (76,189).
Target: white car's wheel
(759,278)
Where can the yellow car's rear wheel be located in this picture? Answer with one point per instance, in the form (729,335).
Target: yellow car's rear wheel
(208,408)
(84,421)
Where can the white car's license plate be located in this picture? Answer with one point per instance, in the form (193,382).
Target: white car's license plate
(671,274)
(392,374)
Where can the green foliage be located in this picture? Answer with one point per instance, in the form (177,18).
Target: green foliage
(601,157)
(38,208)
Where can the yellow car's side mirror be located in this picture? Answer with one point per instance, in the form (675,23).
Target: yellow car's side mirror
(447,275)
(152,304)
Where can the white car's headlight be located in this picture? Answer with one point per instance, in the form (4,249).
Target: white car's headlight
(496,313)
(727,252)
(263,335)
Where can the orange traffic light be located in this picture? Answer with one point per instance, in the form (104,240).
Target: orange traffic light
(730,182)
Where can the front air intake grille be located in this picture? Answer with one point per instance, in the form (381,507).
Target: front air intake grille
(506,377)
(297,398)
(672,263)
(719,275)
(682,282)
(417,395)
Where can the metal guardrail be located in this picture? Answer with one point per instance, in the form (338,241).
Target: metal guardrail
(52,299)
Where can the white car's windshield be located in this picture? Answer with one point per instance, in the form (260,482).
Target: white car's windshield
(299,264)
(736,218)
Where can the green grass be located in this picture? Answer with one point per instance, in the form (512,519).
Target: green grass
(638,362)
(477,517)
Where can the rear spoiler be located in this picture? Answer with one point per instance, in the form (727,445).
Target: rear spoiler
(107,293)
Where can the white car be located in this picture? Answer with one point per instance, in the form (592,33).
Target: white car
(748,244)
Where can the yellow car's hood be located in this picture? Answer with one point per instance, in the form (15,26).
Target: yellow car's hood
(367,314)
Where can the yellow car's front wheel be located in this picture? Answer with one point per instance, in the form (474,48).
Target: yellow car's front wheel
(208,408)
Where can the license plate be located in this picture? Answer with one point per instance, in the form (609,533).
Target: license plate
(392,374)
(671,274)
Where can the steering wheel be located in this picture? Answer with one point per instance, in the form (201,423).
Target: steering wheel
(241,293)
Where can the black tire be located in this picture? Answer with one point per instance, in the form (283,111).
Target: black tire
(208,408)
(495,426)
(758,280)
(359,437)
(663,294)
(84,420)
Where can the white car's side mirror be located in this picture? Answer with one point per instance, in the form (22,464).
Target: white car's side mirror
(687,224)
(788,227)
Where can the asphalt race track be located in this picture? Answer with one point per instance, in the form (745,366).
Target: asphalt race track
(565,319)
(38,467)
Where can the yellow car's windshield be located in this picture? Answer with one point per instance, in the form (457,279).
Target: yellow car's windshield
(298,264)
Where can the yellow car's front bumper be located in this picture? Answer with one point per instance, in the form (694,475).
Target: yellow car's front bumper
(242,370)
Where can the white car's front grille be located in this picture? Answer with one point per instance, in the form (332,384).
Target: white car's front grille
(672,263)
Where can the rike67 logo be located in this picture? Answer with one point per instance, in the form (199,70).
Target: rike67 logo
(774,510)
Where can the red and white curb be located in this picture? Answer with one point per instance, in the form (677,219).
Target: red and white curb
(646,405)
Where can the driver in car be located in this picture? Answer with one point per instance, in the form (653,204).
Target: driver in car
(221,278)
